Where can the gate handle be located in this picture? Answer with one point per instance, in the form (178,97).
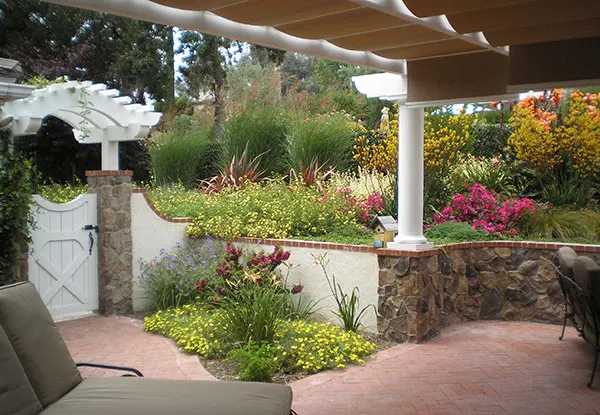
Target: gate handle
(91,242)
(91,228)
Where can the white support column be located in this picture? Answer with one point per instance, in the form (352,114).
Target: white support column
(110,154)
(410,180)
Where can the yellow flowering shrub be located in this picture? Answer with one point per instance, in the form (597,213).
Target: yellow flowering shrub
(61,193)
(533,138)
(313,347)
(274,210)
(377,150)
(299,346)
(193,328)
(446,136)
(543,140)
(580,133)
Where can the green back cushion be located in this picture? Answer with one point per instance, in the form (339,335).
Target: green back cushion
(566,256)
(587,276)
(36,342)
(16,394)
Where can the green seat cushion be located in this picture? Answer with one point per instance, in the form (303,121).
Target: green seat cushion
(128,396)
(36,342)
(16,394)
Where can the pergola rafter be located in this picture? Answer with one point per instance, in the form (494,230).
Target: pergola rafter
(96,113)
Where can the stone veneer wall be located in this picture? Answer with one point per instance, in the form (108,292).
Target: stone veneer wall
(113,189)
(422,292)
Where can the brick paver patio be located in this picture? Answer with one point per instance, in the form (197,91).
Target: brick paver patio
(474,368)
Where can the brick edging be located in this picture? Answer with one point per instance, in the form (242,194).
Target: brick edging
(105,173)
(292,243)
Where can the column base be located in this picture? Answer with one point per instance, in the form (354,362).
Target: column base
(409,246)
(410,243)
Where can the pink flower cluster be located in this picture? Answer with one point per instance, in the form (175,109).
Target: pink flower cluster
(268,262)
(368,207)
(482,209)
(260,264)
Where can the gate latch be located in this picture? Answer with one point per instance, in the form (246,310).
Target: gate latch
(91,228)
(91,236)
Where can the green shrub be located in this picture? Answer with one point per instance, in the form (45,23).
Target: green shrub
(568,191)
(450,232)
(178,276)
(274,210)
(326,138)
(253,313)
(259,131)
(489,140)
(183,153)
(15,202)
(564,225)
(256,363)
(494,174)
(61,193)
(343,234)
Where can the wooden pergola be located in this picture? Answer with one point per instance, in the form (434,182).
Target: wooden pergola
(446,51)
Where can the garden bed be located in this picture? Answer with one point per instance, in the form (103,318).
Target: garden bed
(226,370)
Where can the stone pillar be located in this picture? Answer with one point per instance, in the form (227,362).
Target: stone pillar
(113,189)
(410,180)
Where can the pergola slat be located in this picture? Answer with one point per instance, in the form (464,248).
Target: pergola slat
(429,50)
(430,8)
(358,21)
(390,38)
(278,12)
(524,15)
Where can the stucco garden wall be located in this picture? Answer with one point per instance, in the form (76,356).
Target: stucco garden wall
(351,265)
(352,268)
(150,234)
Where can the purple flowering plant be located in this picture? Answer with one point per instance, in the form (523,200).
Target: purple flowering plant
(485,210)
(183,274)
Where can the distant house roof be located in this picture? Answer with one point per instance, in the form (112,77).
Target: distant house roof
(9,70)
(9,91)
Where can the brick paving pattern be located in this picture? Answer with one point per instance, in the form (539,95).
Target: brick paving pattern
(474,368)
(121,341)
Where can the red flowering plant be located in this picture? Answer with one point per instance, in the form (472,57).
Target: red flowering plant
(483,209)
(257,268)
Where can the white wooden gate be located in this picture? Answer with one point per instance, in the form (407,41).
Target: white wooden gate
(63,259)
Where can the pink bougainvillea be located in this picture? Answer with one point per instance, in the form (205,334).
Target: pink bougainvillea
(483,209)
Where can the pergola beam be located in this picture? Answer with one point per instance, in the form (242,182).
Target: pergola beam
(210,23)
(97,115)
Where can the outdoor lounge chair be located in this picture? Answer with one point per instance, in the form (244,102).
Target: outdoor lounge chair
(579,278)
(38,375)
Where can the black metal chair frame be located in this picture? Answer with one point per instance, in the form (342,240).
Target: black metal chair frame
(120,368)
(579,310)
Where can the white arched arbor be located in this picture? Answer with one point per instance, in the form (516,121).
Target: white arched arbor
(96,113)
